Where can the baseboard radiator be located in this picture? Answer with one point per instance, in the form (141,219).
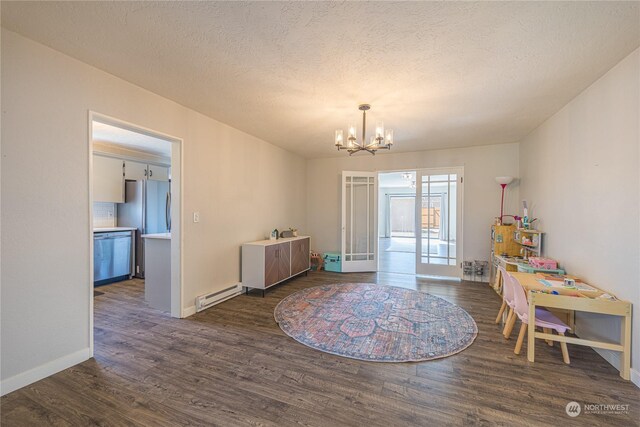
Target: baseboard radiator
(209,300)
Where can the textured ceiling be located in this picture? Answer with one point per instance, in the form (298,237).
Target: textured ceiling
(441,74)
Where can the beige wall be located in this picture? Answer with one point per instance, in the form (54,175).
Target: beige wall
(481,193)
(242,186)
(580,174)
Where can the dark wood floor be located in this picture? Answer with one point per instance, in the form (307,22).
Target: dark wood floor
(232,365)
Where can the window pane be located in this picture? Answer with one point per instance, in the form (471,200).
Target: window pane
(438,219)
(439,178)
(360,218)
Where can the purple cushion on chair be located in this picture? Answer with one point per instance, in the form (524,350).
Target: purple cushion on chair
(546,319)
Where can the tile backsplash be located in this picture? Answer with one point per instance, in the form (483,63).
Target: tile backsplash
(104,214)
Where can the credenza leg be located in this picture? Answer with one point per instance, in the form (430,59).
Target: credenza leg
(263,293)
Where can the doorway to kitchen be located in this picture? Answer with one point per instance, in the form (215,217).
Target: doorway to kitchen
(135,215)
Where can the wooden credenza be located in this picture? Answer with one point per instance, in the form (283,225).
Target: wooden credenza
(268,262)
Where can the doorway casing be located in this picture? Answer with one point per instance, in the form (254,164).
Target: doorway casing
(176,213)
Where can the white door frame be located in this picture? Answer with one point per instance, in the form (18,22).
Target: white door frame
(177,163)
(441,270)
(360,265)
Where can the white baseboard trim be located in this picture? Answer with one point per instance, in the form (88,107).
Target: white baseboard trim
(635,377)
(613,357)
(189,311)
(43,371)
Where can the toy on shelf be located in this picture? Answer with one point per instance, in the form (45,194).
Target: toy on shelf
(545,263)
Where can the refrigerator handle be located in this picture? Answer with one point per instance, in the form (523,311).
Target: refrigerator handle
(143,185)
(167,211)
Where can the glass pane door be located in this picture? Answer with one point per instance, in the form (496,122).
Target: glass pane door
(359,221)
(439,222)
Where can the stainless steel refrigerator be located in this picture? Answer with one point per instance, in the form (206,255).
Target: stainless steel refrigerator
(147,207)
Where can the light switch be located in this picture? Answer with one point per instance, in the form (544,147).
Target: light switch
(196,217)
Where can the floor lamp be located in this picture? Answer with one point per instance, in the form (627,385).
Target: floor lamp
(503,181)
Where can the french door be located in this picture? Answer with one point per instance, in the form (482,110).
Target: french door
(359,225)
(439,222)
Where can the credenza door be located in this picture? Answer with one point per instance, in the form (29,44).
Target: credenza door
(271,265)
(284,261)
(299,256)
(277,263)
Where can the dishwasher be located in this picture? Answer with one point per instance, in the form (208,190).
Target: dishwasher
(111,257)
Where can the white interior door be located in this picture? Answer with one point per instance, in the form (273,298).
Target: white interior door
(359,225)
(439,222)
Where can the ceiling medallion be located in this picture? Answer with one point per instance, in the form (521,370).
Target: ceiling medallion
(381,141)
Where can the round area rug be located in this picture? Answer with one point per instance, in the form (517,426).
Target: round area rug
(376,322)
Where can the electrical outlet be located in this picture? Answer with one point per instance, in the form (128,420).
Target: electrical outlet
(196,217)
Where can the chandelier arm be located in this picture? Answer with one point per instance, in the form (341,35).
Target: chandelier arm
(364,127)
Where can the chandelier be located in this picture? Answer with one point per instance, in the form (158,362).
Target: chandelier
(381,141)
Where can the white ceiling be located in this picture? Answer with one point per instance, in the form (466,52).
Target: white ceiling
(130,140)
(442,74)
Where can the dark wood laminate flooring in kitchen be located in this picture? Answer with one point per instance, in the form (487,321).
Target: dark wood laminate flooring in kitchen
(232,365)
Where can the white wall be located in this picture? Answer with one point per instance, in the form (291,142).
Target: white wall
(242,187)
(580,174)
(481,193)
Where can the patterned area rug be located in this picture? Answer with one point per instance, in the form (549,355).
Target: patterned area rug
(376,322)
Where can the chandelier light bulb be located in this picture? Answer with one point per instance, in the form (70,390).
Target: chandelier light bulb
(339,138)
(352,131)
(379,129)
(389,137)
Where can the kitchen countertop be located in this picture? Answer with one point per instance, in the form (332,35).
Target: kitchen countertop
(165,236)
(108,229)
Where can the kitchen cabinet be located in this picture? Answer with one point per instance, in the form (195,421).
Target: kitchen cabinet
(138,171)
(157,261)
(158,173)
(268,262)
(108,179)
(135,170)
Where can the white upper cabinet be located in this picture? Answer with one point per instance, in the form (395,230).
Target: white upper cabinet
(158,173)
(108,179)
(135,170)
